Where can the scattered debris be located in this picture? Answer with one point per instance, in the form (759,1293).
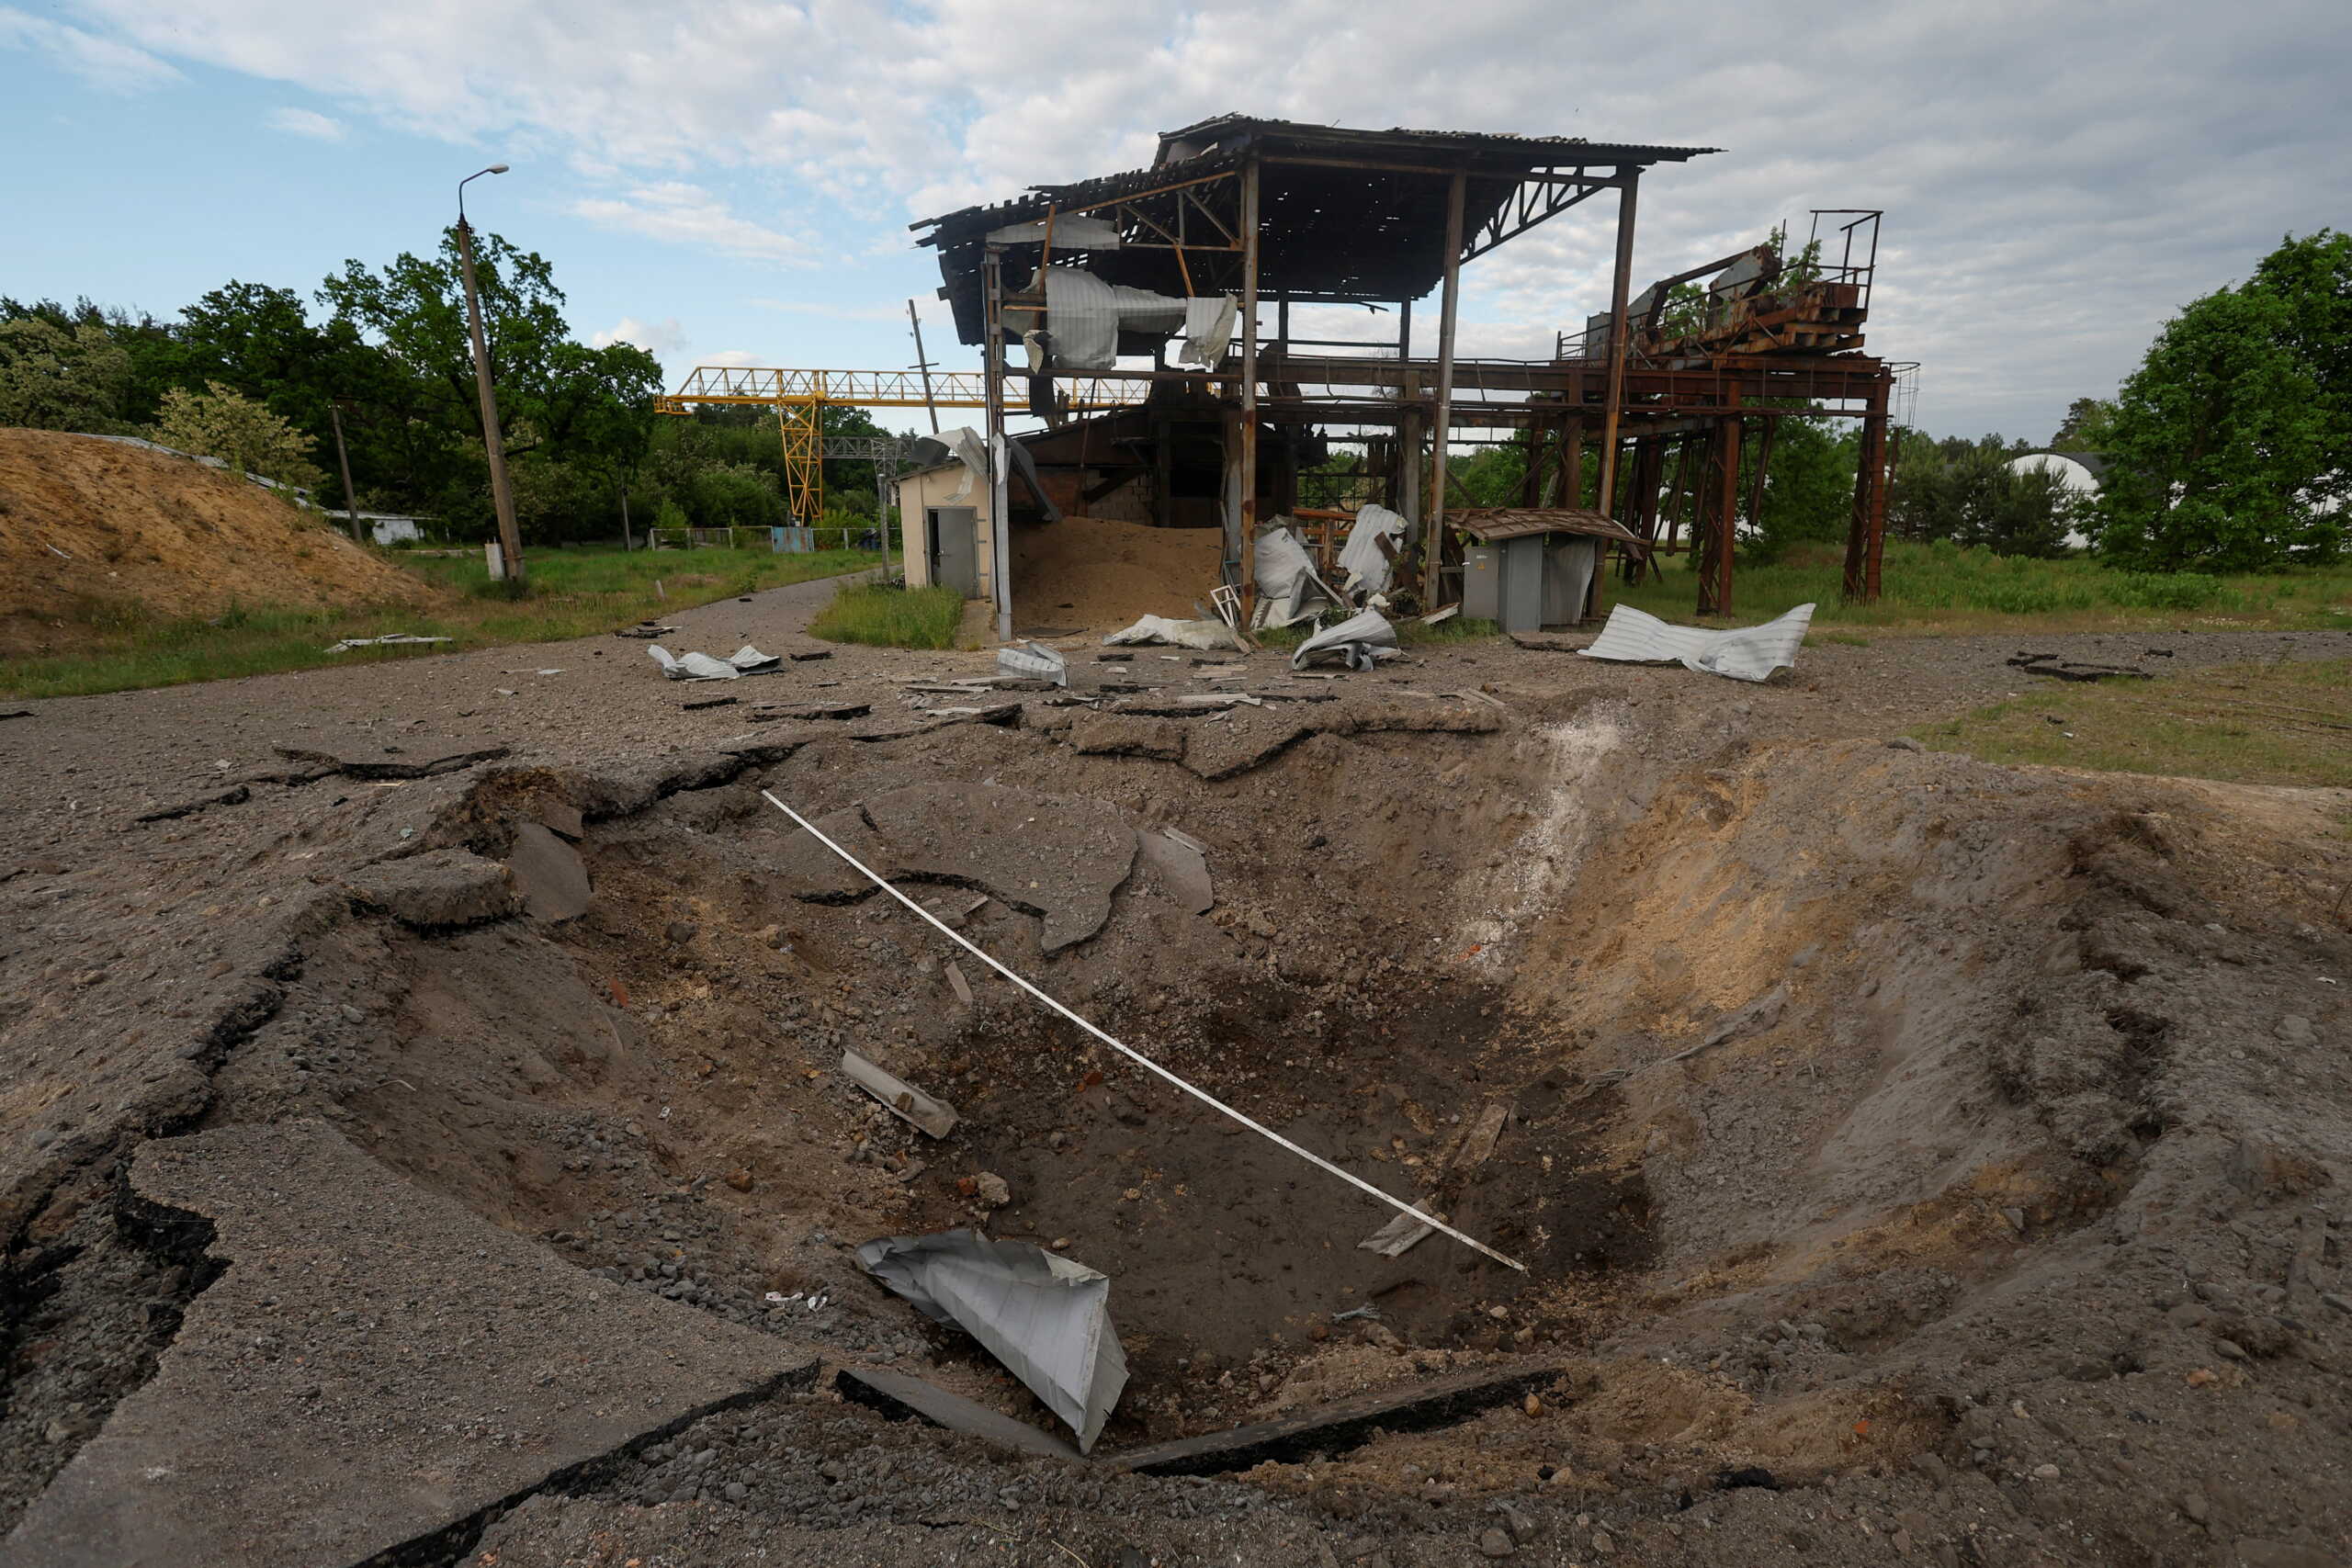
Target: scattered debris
(1369,1311)
(647,631)
(691,703)
(1034,661)
(1361,642)
(372,768)
(960,985)
(2059,669)
(744,661)
(548,873)
(1744,653)
(768,712)
(1398,1237)
(17,713)
(905,1102)
(805,654)
(1047,1318)
(396,639)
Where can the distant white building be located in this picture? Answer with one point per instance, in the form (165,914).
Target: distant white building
(2080,472)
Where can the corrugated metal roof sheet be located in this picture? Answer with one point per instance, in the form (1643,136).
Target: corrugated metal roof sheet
(1490,524)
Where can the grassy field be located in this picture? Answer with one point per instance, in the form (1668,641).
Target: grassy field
(573,593)
(891,617)
(2284,723)
(1941,588)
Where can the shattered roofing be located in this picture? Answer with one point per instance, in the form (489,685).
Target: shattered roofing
(1370,233)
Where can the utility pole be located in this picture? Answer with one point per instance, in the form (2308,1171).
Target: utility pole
(510,537)
(923,365)
(342,460)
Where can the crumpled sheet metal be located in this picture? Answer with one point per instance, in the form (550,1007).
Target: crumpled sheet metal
(1364,565)
(1047,1318)
(1086,315)
(1744,653)
(1360,642)
(1034,661)
(744,661)
(1203,634)
(1288,589)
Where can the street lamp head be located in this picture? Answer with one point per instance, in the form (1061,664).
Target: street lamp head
(493,169)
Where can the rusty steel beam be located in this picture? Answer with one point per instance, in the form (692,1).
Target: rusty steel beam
(1613,391)
(1441,425)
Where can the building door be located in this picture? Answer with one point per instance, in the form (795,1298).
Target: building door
(955,551)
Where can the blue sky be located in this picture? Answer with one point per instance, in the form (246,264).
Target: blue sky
(731,181)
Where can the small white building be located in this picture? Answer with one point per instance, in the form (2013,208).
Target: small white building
(949,538)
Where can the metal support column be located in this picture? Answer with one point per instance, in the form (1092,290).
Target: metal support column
(1613,394)
(1249,384)
(1441,425)
(1866,537)
(1000,501)
(1721,514)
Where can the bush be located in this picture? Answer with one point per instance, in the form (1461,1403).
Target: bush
(886,616)
(2163,590)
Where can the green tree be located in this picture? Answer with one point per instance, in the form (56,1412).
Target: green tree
(1808,488)
(59,377)
(221,423)
(2217,441)
(2312,280)
(2086,428)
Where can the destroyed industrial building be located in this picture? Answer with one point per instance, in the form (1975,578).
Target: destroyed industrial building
(1192,335)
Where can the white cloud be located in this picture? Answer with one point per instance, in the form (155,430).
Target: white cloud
(2056,185)
(835,312)
(661,339)
(103,62)
(731,358)
(689,214)
(306,122)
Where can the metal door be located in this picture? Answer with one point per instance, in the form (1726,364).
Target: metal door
(955,551)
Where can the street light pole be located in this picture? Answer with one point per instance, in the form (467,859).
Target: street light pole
(510,537)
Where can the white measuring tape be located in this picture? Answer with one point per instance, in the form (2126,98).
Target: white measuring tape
(1138,1058)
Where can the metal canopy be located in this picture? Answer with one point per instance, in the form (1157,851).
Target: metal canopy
(1345,215)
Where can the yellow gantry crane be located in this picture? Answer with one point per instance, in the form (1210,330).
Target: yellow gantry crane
(801,397)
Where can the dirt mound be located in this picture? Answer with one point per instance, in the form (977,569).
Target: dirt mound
(97,533)
(1092,574)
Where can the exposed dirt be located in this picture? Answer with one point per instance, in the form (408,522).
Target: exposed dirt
(1911,1156)
(95,531)
(1091,573)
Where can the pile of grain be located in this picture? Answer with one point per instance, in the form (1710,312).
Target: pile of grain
(1092,574)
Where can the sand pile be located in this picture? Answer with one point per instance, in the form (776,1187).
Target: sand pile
(95,532)
(1092,574)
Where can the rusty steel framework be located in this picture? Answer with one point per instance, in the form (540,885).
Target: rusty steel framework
(1286,214)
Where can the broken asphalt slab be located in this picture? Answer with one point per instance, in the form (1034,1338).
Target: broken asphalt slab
(376,1370)
(378,767)
(901,1397)
(1058,859)
(1337,1427)
(548,873)
(437,890)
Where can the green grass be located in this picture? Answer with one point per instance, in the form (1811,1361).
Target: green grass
(1942,587)
(891,617)
(572,594)
(2286,723)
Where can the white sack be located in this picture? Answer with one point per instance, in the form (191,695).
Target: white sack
(1203,634)
(1086,316)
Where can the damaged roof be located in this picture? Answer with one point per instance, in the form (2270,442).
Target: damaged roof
(1492,524)
(1366,221)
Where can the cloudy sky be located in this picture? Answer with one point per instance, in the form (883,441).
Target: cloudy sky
(730,180)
